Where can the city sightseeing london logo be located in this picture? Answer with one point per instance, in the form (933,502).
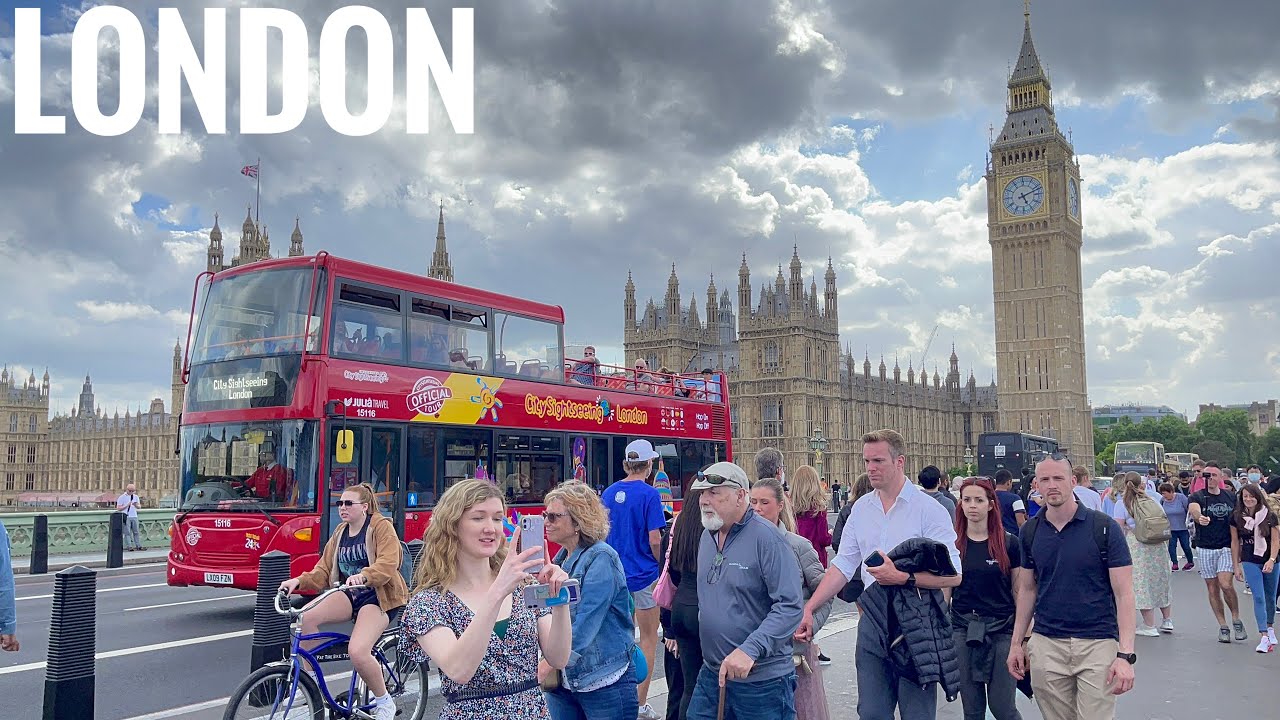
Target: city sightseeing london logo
(428,396)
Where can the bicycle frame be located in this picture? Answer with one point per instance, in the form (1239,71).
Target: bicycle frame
(298,654)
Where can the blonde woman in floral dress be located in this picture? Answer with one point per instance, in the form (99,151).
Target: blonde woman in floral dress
(468,617)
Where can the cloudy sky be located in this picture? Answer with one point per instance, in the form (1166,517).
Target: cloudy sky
(615,136)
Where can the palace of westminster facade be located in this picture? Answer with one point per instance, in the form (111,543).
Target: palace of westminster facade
(788,375)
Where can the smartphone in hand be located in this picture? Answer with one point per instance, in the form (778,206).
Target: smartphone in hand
(533,533)
(875,559)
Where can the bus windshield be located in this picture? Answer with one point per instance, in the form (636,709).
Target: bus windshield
(249,466)
(255,314)
(1136,452)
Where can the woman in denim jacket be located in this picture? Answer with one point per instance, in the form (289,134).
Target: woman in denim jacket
(599,682)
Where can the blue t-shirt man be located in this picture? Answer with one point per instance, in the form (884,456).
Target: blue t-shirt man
(635,509)
(1010,505)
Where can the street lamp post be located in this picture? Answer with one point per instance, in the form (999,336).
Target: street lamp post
(968,460)
(818,444)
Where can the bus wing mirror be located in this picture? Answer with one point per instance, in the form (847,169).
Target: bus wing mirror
(345,448)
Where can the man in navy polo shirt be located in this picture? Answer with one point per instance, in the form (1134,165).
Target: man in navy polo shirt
(1081,653)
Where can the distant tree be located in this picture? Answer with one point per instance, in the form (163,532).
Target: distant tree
(1218,452)
(1229,427)
(1268,447)
(956,472)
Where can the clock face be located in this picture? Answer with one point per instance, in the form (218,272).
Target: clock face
(1073,198)
(1023,195)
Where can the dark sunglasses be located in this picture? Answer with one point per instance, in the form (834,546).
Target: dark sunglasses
(714,479)
(346,503)
(554,516)
(1058,456)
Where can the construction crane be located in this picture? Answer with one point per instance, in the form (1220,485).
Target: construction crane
(928,345)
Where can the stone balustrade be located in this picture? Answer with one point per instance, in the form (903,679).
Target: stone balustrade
(83,530)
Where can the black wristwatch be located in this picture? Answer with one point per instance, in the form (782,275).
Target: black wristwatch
(911,579)
(1131,658)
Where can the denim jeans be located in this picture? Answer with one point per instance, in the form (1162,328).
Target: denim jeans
(763,700)
(614,702)
(1263,586)
(132,536)
(1182,537)
(880,690)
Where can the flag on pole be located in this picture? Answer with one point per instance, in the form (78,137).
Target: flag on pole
(250,170)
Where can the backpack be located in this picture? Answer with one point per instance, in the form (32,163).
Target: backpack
(1101,529)
(1150,524)
(406,565)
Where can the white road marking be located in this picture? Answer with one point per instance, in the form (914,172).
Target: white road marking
(192,602)
(433,683)
(99,592)
(137,650)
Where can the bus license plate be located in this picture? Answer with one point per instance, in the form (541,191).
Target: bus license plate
(218,578)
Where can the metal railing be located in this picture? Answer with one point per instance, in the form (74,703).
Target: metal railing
(83,531)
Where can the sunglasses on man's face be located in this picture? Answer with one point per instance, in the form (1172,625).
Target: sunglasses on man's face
(714,480)
(346,503)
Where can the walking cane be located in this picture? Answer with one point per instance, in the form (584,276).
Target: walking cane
(720,708)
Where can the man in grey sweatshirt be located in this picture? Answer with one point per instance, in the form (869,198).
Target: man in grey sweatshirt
(750,592)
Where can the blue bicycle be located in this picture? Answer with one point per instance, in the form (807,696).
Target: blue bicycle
(295,687)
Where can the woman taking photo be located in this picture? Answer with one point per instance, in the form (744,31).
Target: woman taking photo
(364,555)
(1255,542)
(770,502)
(468,615)
(982,606)
(681,634)
(599,682)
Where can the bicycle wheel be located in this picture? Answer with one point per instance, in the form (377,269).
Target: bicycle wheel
(264,695)
(408,686)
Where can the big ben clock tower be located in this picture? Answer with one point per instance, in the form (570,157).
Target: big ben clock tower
(1033,221)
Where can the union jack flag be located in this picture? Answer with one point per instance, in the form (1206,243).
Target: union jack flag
(250,170)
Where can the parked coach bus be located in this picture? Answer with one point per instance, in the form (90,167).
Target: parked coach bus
(1143,456)
(307,375)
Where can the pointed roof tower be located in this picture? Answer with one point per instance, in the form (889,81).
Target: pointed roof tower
(295,240)
(215,255)
(441,268)
(1028,68)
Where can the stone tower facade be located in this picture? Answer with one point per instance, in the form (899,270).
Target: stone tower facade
(440,268)
(1034,226)
(255,244)
(24,434)
(788,376)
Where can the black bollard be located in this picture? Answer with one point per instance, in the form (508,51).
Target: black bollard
(69,672)
(40,546)
(270,628)
(115,541)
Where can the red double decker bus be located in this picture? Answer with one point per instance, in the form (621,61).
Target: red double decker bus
(435,382)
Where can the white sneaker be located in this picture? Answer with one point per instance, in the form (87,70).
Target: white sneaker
(1264,645)
(1167,626)
(648,713)
(384,709)
(1147,631)
(1271,634)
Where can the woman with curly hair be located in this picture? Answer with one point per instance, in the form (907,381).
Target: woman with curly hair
(468,616)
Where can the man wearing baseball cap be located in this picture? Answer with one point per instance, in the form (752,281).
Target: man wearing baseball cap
(749,589)
(635,533)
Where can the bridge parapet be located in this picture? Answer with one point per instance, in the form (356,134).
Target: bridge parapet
(81,531)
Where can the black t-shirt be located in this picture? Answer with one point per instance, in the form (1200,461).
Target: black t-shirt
(1247,549)
(1217,534)
(983,588)
(353,554)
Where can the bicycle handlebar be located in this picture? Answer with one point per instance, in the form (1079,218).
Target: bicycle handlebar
(292,613)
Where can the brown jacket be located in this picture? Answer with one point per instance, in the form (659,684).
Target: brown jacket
(383,574)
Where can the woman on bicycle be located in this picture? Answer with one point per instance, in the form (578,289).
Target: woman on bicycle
(599,682)
(468,615)
(363,555)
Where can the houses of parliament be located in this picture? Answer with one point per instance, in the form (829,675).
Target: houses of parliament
(788,375)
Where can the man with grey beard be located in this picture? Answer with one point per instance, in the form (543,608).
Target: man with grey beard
(749,589)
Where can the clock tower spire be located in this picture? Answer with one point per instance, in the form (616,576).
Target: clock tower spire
(1034,228)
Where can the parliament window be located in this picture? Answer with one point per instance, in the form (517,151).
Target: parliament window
(31,454)
(8,481)
(13,422)
(11,455)
(31,424)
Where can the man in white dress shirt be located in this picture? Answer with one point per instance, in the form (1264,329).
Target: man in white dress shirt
(896,511)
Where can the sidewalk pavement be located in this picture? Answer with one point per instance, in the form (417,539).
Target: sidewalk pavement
(92,560)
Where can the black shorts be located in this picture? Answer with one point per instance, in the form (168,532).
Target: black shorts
(362,596)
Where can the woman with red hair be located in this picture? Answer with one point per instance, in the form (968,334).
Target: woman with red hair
(982,606)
